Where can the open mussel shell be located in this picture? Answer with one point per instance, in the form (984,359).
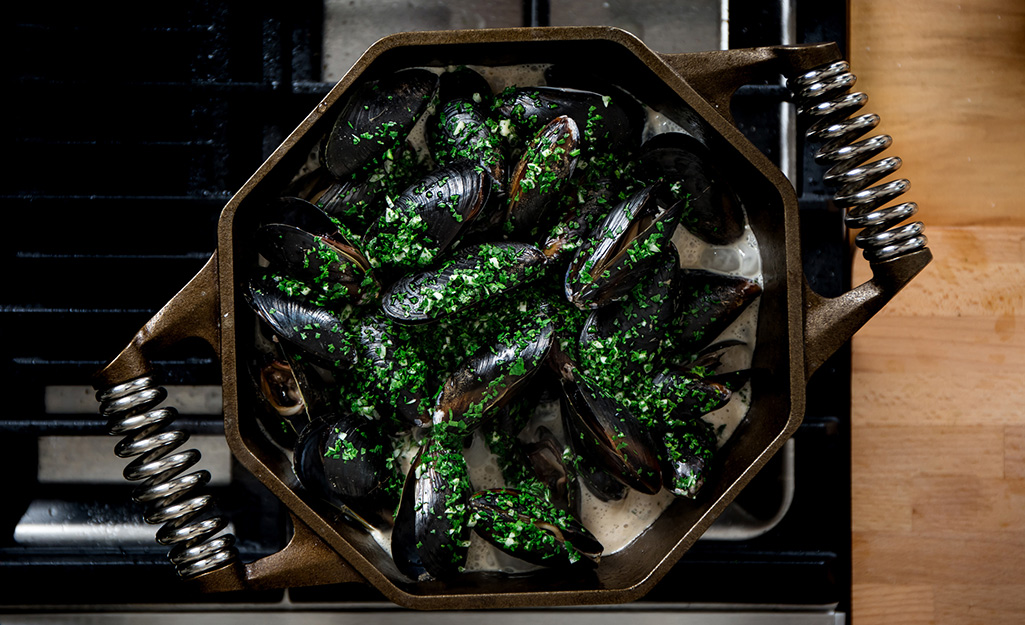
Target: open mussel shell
(548,458)
(493,376)
(345,460)
(707,303)
(431,533)
(713,212)
(303,321)
(377,118)
(613,437)
(687,457)
(538,179)
(604,124)
(532,529)
(429,216)
(622,249)
(468,278)
(585,465)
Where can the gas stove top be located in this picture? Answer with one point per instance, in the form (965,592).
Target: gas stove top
(135,128)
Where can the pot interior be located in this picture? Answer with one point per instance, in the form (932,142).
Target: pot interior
(777,383)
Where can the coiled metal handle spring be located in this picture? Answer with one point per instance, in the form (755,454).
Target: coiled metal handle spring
(822,96)
(189,527)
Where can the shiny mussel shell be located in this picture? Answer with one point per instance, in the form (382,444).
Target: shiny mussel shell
(622,249)
(306,322)
(603,123)
(612,437)
(345,461)
(707,303)
(687,456)
(431,533)
(428,217)
(376,118)
(493,375)
(302,241)
(539,177)
(532,529)
(468,278)
(713,212)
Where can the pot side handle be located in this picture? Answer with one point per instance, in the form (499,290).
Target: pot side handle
(819,80)
(131,398)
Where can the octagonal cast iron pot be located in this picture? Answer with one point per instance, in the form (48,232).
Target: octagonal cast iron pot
(797,329)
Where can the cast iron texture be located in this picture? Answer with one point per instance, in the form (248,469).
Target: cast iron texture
(797,329)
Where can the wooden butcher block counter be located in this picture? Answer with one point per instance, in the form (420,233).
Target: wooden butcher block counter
(939,376)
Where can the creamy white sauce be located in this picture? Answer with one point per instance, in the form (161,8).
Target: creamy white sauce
(615,524)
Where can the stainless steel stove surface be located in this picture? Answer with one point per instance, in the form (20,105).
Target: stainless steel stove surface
(134,128)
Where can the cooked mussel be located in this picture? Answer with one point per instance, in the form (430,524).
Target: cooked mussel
(687,457)
(309,246)
(428,217)
(431,533)
(707,303)
(604,124)
(582,214)
(623,248)
(389,378)
(306,321)
(531,528)
(537,181)
(468,278)
(712,210)
(493,375)
(612,437)
(626,335)
(377,118)
(462,128)
(346,460)
(682,396)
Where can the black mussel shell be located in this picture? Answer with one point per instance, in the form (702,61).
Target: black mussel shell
(432,528)
(500,433)
(583,460)
(548,459)
(687,456)
(707,303)
(468,278)
(389,372)
(622,249)
(604,124)
(713,212)
(279,388)
(329,265)
(613,437)
(532,529)
(304,321)
(538,179)
(683,396)
(344,459)
(378,117)
(428,217)
(493,376)
(630,331)
(586,212)
(461,129)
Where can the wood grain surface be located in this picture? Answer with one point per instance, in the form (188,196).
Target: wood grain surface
(939,376)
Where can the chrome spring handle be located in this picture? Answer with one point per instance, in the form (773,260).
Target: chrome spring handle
(823,98)
(168,493)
